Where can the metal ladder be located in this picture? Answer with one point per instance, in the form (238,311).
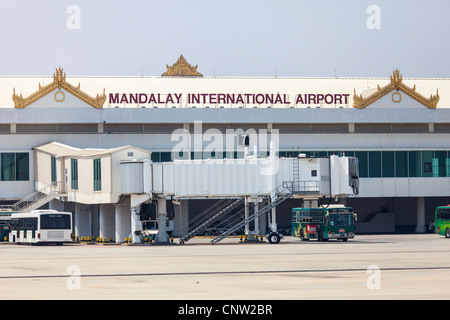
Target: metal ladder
(207,217)
(282,193)
(295,174)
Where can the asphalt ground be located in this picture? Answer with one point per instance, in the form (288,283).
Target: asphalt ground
(369,267)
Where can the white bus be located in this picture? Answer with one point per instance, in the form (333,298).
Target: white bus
(41,226)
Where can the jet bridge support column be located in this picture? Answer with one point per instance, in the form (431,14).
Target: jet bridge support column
(254,200)
(135,207)
(256,229)
(136,224)
(161,216)
(246,215)
(273,222)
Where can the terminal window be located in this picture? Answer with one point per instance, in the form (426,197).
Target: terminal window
(97,175)
(15,166)
(74,173)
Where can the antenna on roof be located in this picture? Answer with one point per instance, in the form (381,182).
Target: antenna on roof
(275,72)
(142,71)
(335,73)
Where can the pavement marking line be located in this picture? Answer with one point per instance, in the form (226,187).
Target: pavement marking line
(222,272)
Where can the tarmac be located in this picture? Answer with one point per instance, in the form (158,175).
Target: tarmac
(368,267)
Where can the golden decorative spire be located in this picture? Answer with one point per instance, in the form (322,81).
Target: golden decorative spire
(181,68)
(59,81)
(395,84)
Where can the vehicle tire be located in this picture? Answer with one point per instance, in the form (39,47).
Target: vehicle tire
(345,239)
(274,238)
(447,233)
(302,236)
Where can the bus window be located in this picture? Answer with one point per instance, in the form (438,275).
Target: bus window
(55,221)
(316,216)
(336,219)
(30,223)
(340,219)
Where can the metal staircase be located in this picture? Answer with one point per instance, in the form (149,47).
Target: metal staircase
(38,198)
(209,216)
(237,221)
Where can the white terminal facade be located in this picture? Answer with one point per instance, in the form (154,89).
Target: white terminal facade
(87,143)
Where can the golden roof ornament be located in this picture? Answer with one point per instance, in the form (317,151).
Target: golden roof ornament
(181,68)
(59,77)
(59,81)
(396,83)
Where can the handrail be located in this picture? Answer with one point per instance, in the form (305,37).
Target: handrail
(50,189)
(209,216)
(308,187)
(236,221)
(200,218)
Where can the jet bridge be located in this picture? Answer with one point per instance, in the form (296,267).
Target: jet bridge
(120,187)
(270,181)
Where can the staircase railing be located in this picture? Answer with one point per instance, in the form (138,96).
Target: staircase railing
(238,221)
(48,190)
(209,216)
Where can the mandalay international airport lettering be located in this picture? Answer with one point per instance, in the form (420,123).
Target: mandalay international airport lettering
(227,98)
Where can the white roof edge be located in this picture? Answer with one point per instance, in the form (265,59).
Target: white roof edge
(63,150)
(216,77)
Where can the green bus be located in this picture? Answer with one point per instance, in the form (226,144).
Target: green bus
(323,223)
(4,227)
(442,221)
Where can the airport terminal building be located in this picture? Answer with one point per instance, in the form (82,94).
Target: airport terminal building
(398,128)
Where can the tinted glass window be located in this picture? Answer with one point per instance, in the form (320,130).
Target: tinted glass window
(401,163)
(443,213)
(341,220)
(55,221)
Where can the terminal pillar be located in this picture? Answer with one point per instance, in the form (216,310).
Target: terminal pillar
(82,220)
(420,226)
(122,222)
(161,216)
(106,221)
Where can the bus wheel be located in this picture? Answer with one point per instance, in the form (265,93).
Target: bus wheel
(274,238)
(447,233)
(302,235)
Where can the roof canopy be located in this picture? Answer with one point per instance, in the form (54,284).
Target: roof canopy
(61,150)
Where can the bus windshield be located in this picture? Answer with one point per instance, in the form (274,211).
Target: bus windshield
(55,221)
(443,213)
(341,219)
